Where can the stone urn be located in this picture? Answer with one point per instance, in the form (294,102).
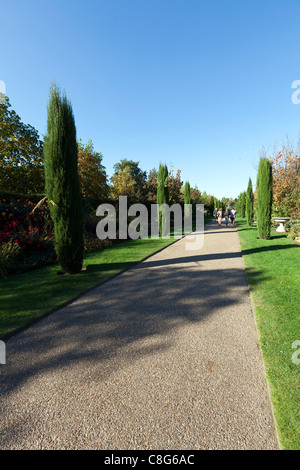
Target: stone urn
(281,221)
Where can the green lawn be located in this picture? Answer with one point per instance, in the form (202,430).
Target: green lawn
(273,270)
(28,296)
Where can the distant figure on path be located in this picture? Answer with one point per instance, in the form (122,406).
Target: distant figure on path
(226,217)
(220,215)
(215,214)
(232,216)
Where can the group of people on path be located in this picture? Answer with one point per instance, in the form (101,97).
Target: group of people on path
(227,214)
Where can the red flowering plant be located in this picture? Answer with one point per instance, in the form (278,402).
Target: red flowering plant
(31,229)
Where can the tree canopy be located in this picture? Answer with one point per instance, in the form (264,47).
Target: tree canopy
(21,154)
(92,174)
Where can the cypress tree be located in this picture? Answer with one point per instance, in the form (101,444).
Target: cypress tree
(187,198)
(187,193)
(243,204)
(264,191)
(162,196)
(212,204)
(62,182)
(250,204)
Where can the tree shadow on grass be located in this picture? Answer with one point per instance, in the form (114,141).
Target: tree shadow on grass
(261,249)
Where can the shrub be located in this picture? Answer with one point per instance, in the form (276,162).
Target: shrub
(293,228)
(95,244)
(9,253)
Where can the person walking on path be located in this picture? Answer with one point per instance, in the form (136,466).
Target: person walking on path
(220,216)
(232,216)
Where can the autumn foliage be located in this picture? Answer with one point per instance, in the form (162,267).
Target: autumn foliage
(286,182)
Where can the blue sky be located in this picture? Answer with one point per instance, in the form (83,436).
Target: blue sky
(202,84)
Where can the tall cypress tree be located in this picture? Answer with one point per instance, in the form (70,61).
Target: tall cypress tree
(162,196)
(250,203)
(264,191)
(62,182)
(187,193)
(187,198)
(212,203)
(243,204)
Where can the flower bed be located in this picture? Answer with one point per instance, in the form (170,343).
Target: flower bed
(31,231)
(27,235)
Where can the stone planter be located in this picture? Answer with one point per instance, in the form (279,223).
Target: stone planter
(281,221)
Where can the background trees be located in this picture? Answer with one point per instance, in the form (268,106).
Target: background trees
(92,174)
(286,181)
(175,186)
(128,180)
(123,184)
(195,195)
(241,204)
(151,186)
(21,154)
(62,182)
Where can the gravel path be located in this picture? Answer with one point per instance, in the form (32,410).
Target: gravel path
(164,356)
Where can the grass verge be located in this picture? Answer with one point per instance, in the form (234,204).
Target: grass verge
(273,271)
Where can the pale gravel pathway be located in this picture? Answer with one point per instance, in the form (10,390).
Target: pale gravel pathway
(164,356)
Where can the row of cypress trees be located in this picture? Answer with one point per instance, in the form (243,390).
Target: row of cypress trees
(63,187)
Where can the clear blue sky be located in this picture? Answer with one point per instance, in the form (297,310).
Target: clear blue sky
(202,84)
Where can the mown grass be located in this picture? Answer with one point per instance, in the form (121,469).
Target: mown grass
(28,296)
(275,296)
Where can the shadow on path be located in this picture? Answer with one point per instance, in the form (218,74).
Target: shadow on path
(96,327)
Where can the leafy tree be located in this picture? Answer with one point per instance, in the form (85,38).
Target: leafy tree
(123,183)
(264,187)
(175,185)
(162,195)
(195,195)
(21,154)
(151,185)
(250,203)
(92,174)
(62,182)
(138,190)
(204,198)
